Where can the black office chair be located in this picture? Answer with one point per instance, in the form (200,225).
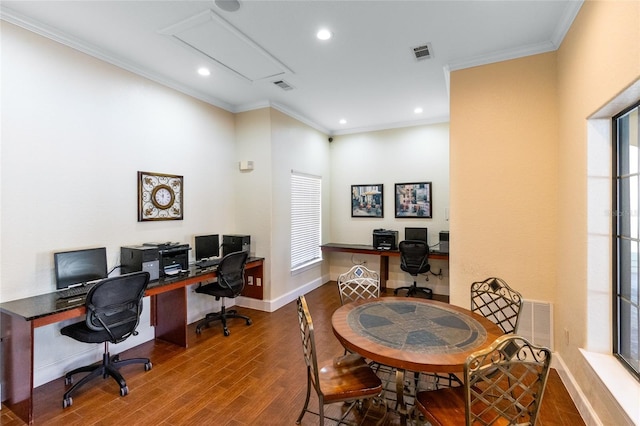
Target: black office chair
(414,259)
(113,307)
(229,284)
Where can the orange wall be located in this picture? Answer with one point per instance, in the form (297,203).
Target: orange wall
(504,137)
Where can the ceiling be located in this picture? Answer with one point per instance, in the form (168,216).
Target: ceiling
(367,73)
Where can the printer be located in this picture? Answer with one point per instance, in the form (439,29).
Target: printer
(173,257)
(385,239)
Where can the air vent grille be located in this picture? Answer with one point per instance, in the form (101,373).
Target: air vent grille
(283,85)
(422,52)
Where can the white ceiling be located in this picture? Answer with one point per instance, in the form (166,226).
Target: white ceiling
(367,73)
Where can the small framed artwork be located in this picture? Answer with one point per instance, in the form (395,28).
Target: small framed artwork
(413,200)
(366,201)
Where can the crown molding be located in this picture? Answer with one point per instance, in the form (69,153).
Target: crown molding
(58,36)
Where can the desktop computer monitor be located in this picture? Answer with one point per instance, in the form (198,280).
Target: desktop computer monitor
(419,234)
(207,246)
(80,266)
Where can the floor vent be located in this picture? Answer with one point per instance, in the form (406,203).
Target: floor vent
(536,322)
(422,52)
(283,85)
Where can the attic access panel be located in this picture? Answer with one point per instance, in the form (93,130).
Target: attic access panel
(208,34)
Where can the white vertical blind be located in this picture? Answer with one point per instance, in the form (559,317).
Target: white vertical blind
(305,218)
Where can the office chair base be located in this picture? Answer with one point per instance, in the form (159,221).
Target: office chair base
(414,290)
(221,316)
(108,368)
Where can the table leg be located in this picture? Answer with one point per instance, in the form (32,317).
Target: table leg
(170,311)
(384,272)
(17,359)
(401,407)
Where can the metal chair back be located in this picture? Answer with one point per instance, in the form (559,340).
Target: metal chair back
(496,301)
(358,283)
(506,382)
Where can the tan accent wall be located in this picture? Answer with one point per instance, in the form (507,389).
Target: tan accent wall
(519,173)
(504,171)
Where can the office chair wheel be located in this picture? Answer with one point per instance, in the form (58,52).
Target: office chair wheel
(249,322)
(148,366)
(124,391)
(67,402)
(68,381)
(226,332)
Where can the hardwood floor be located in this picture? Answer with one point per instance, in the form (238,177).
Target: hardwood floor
(256,376)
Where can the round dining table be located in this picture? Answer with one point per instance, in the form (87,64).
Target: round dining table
(414,334)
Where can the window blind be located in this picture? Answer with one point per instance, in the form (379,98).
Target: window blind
(305,219)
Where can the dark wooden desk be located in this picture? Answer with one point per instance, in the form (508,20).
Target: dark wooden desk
(384,256)
(412,334)
(20,318)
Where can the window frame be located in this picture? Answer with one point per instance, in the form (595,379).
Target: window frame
(617,294)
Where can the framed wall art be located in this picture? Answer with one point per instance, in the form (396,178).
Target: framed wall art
(366,201)
(160,196)
(413,200)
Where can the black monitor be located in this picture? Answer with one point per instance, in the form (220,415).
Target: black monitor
(419,234)
(80,266)
(207,246)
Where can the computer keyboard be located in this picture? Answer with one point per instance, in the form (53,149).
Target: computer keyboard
(72,292)
(207,263)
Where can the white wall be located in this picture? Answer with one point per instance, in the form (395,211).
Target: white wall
(75,131)
(411,154)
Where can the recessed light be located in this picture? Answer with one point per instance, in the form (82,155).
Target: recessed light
(418,110)
(324,34)
(343,121)
(204,71)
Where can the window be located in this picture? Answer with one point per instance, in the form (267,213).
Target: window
(626,304)
(305,219)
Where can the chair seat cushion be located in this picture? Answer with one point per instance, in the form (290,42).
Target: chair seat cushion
(347,378)
(215,289)
(79,331)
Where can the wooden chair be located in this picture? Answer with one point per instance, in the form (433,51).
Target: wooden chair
(503,385)
(345,379)
(358,283)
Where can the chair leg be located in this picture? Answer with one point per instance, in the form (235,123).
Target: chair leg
(221,316)
(306,401)
(108,368)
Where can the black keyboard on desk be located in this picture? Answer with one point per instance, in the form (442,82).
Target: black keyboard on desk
(208,263)
(70,293)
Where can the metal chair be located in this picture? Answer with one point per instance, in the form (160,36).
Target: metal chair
(496,301)
(345,379)
(230,283)
(113,308)
(358,283)
(503,384)
(414,259)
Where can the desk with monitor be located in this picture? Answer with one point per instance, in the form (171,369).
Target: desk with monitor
(384,256)
(20,318)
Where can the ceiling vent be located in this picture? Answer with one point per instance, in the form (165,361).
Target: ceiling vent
(422,52)
(283,85)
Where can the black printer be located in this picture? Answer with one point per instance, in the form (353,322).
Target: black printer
(385,239)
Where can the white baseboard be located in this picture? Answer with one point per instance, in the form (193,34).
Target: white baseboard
(579,399)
